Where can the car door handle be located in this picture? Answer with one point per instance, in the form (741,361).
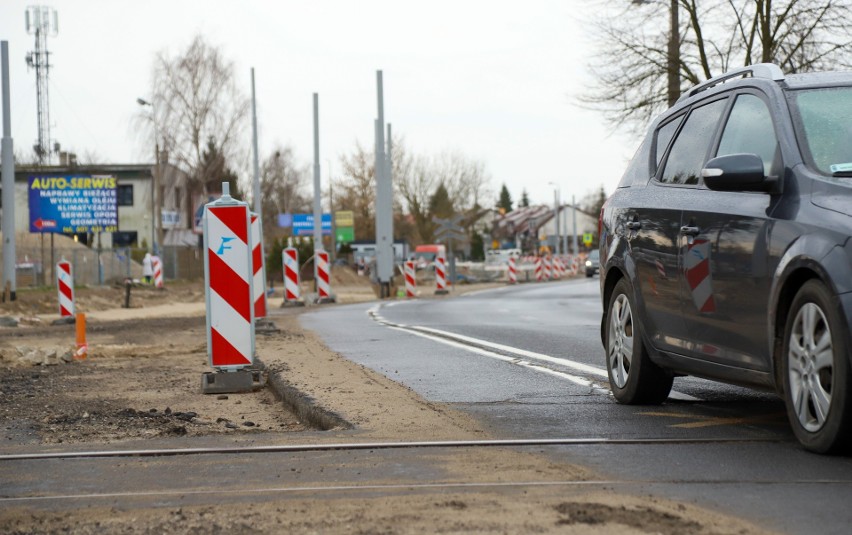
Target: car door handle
(690,231)
(633,225)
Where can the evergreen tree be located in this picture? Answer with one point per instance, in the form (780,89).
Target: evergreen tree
(505,202)
(525,199)
(440,205)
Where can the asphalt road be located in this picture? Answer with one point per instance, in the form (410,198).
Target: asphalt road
(527,361)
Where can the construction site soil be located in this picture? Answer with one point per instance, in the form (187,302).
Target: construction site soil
(141,380)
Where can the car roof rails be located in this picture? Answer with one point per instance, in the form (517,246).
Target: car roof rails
(767,71)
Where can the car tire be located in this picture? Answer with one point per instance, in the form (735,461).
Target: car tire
(816,371)
(633,378)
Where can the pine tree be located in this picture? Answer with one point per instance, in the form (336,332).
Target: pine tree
(505,202)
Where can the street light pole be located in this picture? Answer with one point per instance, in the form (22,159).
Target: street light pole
(155,181)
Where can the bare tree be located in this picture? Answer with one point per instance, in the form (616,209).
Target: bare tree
(195,99)
(283,186)
(357,191)
(715,36)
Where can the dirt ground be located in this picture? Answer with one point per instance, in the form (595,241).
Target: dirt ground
(141,379)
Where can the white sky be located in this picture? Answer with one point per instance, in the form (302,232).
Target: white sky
(495,80)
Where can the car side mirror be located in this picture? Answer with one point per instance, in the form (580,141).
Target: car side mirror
(737,172)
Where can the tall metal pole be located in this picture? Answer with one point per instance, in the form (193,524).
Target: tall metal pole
(556,220)
(256,182)
(8,179)
(317,205)
(384,199)
(574,231)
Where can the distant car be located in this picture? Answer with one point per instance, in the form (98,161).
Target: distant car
(593,263)
(732,261)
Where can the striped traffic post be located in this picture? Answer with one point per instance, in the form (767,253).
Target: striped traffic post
(440,274)
(410,279)
(539,273)
(547,270)
(228,283)
(258,271)
(292,287)
(512,271)
(65,286)
(157,266)
(323,274)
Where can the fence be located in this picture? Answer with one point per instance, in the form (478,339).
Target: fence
(36,266)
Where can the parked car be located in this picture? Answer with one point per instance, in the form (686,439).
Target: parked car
(726,248)
(593,263)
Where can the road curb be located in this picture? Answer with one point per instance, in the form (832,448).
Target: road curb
(304,406)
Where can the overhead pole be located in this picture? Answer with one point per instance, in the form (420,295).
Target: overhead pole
(42,21)
(7,155)
(256,181)
(317,184)
(384,200)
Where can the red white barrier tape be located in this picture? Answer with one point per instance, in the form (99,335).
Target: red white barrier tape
(410,279)
(292,289)
(258,280)
(65,285)
(322,275)
(228,277)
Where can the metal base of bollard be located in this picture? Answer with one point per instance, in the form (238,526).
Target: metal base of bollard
(67,320)
(441,292)
(325,300)
(231,382)
(286,304)
(265,326)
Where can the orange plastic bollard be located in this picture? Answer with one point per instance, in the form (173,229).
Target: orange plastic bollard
(82,347)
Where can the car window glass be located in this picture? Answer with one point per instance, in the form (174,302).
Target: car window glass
(664,136)
(826,118)
(749,131)
(689,150)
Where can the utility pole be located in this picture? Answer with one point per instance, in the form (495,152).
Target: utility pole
(256,182)
(673,67)
(574,232)
(317,184)
(7,155)
(42,21)
(384,201)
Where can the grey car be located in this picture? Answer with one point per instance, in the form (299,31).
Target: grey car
(726,249)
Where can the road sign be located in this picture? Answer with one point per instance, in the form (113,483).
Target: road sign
(72,204)
(344,218)
(588,238)
(303,224)
(344,234)
(229,280)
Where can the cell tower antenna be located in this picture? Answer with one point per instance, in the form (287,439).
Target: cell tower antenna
(42,21)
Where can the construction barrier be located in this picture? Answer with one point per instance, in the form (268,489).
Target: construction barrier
(548,272)
(292,287)
(157,266)
(65,286)
(258,279)
(228,283)
(410,279)
(322,276)
(512,272)
(440,274)
(539,271)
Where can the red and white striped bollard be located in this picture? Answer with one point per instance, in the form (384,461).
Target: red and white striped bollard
(322,273)
(539,272)
(410,279)
(65,286)
(258,279)
(292,286)
(440,274)
(228,277)
(157,266)
(512,271)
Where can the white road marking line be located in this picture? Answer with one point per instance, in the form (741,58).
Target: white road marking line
(442,337)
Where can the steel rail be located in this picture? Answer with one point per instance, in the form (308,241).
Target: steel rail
(354,446)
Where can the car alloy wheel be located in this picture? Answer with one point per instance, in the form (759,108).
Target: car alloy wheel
(633,377)
(620,340)
(816,371)
(810,365)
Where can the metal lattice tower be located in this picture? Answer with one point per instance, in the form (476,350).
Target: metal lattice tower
(42,21)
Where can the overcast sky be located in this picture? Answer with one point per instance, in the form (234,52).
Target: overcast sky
(494,80)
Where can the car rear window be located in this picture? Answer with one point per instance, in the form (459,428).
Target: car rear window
(825,124)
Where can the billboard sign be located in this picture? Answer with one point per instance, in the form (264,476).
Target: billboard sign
(73,204)
(303,224)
